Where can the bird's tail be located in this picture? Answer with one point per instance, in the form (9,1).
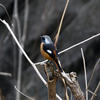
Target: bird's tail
(58,65)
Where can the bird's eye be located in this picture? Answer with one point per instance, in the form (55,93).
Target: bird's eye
(43,38)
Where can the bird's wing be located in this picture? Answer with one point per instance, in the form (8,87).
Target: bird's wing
(50,49)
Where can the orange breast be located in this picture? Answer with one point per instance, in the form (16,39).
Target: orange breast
(44,54)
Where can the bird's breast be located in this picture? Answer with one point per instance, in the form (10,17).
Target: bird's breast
(44,54)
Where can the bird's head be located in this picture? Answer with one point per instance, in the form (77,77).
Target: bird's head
(46,39)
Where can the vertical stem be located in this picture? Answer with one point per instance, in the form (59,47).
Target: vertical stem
(51,81)
(52,90)
(19,75)
(26,13)
(85,73)
(22,42)
(17,21)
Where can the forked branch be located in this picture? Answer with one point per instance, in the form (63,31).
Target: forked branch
(70,79)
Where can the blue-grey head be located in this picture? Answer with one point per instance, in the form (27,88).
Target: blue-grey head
(46,39)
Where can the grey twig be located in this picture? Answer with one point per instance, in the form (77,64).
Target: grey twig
(5,74)
(93,73)
(96,90)
(85,73)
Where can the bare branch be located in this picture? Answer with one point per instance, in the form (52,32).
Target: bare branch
(5,74)
(65,76)
(57,35)
(93,73)
(51,79)
(64,83)
(72,83)
(23,94)
(92,37)
(1,95)
(91,92)
(6,12)
(17,21)
(16,18)
(8,27)
(25,22)
(96,90)
(85,73)
(74,86)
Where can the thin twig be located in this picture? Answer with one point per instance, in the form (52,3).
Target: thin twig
(14,45)
(6,24)
(91,92)
(23,94)
(25,22)
(93,73)
(22,42)
(17,21)
(66,94)
(92,37)
(5,74)
(85,73)
(29,60)
(57,35)
(79,43)
(96,90)
(6,12)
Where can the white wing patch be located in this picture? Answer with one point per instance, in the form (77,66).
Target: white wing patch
(49,51)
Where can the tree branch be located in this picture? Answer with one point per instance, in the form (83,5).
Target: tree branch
(70,79)
(5,74)
(85,73)
(57,35)
(52,79)
(24,94)
(96,90)
(74,86)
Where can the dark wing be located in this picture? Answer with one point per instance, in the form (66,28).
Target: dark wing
(51,50)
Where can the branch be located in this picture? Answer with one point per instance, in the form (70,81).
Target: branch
(85,73)
(96,90)
(6,12)
(16,17)
(92,37)
(1,95)
(17,21)
(64,83)
(93,73)
(5,74)
(25,22)
(57,35)
(24,94)
(51,79)
(8,27)
(74,86)
(70,79)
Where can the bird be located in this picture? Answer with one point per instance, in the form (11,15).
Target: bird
(49,51)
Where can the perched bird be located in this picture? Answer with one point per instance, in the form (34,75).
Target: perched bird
(49,51)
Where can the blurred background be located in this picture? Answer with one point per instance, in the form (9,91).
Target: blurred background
(81,21)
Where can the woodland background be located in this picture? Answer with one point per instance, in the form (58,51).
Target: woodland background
(81,21)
